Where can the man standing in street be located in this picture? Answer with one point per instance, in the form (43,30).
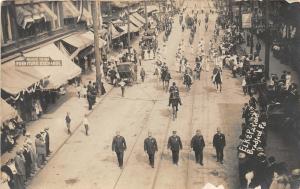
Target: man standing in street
(219,144)
(150,147)
(197,144)
(174,143)
(68,122)
(119,146)
(142,74)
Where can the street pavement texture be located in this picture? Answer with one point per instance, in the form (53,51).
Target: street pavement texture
(87,162)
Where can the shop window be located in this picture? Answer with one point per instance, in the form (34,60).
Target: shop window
(35,29)
(69,21)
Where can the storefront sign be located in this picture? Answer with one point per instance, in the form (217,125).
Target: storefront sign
(38,61)
(247,20)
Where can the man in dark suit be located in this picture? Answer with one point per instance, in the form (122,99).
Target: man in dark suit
(47,141)
(197,144)
(174,143)
(150,147)
(219,144)
(119,146)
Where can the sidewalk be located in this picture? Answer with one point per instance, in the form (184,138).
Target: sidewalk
(55,117)
(275,66)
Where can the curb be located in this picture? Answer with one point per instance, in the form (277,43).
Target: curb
(54,152)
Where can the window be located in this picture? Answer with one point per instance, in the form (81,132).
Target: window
(6,25)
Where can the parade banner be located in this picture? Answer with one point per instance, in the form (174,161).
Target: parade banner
(247,20)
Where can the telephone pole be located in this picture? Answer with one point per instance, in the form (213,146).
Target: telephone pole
(98,59)
(146,14)
(267,42)
(128,29)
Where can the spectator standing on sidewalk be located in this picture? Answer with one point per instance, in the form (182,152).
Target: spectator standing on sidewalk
(40,150)
(47,141)
(20,167)
(142,74)
(119,146)
(258,48)
(244,85)
(28,160)
(68,122)
(86,124)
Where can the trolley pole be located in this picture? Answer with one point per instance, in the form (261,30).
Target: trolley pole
(98,58)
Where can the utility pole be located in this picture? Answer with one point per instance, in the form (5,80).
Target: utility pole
(252,28)
(146,14)
(267,42)
(98,58)
(128,28)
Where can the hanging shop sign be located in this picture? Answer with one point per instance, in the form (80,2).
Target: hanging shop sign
(247,20)
(38,61)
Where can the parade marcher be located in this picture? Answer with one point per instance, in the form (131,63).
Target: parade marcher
(86,124)
(197,144)
(219,143)
(68,122)
(21,171)
(119,146)
(217,78)
(150,147)
(142,74)
(175,145)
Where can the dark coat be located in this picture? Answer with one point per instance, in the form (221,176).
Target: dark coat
(174,143)
(197,143)
(150,145)
(219,140)
(119,144)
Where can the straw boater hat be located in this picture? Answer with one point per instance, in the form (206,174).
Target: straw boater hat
(27,134)
(242,155)
(296,173)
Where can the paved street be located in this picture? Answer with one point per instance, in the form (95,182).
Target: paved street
(88,161)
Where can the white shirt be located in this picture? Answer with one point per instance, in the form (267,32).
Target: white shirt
(85,121)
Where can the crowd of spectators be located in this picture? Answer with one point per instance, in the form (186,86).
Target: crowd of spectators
(17,172)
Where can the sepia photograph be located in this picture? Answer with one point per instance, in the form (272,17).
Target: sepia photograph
(150,94)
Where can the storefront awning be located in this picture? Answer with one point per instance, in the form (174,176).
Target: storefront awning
(59,75)
(7,112)
(292,1)
(82,41)
(152,8)
(28,14)
(18,78)
(78,42)
(139,17)
(132,28)
(135,21)
(70,11)
(90,35)
(114,32)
